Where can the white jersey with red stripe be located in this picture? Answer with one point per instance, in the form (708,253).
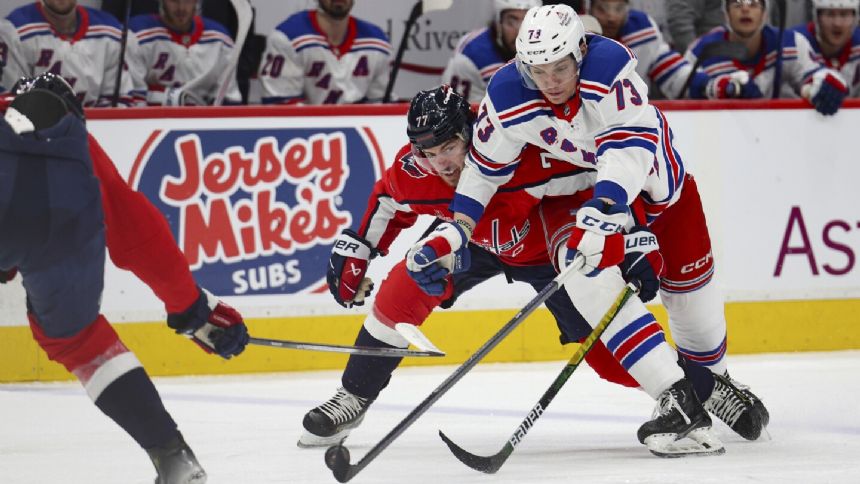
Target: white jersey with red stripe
(659,65)
(474,62)
(300,65)
(847,61)
(510,229)
(9,66)
(88,58)
(608,125)
(163,58)
(798,64)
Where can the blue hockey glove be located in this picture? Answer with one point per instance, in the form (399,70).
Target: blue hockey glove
(643,263)
(442,253)
(213,325)
(597,236)
(826,92)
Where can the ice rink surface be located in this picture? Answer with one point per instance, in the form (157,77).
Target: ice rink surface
(244,429)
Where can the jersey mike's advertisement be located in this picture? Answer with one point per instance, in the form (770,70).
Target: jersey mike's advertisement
(262,206)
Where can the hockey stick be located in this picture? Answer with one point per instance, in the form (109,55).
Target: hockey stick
(337,457)
(122,45)
(491,464)
(353,350)
(244,16)
(732,50)
(419,9)
(777,68)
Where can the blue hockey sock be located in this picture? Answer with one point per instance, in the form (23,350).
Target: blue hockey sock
(366,376)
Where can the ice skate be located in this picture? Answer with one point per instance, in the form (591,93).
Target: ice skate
(737,406)
(331,422)
(680,426)
(176,464)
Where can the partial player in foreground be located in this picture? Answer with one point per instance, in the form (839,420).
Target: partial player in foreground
(61,205)
(578,97)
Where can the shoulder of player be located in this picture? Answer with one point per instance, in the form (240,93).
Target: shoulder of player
(102,19)
(28,21)
(214,31)
(604,61)
(365,30)
(508,95)
(409,183)
(297,25)
(716,34)
(638,30)
(481,50)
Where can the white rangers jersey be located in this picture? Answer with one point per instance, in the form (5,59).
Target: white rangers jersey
(9,70)
(659,66)
(300,65)
(798,65)
(88,59)
(608,125)
(475,61)
(847,62)
(163,58)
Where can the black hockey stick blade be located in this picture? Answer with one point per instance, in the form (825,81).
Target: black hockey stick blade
(486,464)
(353,350)
(491,464)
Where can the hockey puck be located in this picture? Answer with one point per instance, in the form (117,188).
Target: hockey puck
(335,455)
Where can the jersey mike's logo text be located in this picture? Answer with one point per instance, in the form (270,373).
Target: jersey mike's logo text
(256,211)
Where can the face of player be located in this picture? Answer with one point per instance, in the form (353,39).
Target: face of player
(60,7)
(509,26)
(611,14)
(746,17)
(445,160)
(837,25)
(179,14)
(336,9)
(556,80)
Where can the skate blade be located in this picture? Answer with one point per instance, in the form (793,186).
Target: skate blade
(698,443)
(310,441)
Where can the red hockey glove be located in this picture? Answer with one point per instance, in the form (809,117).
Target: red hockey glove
(346,268)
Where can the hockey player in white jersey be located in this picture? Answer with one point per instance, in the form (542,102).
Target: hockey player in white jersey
(796,73)
(79,43)
(662,68)
(9,70)
(835,38)
(482,52)
(325,56)
(178,56)
(578,96)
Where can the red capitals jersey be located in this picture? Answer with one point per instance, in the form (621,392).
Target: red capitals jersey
(510,228)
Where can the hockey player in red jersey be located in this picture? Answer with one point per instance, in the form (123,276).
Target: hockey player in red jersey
(62,207)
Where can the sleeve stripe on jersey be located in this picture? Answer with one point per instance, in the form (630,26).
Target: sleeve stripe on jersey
(524,112)
(487,72)
(592,90)
(626,137)
(489,167)
(638,38)
(673,159)
(306,41)
(370,41)
(467,206)
(214,35)
(666,65)
(718,68)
